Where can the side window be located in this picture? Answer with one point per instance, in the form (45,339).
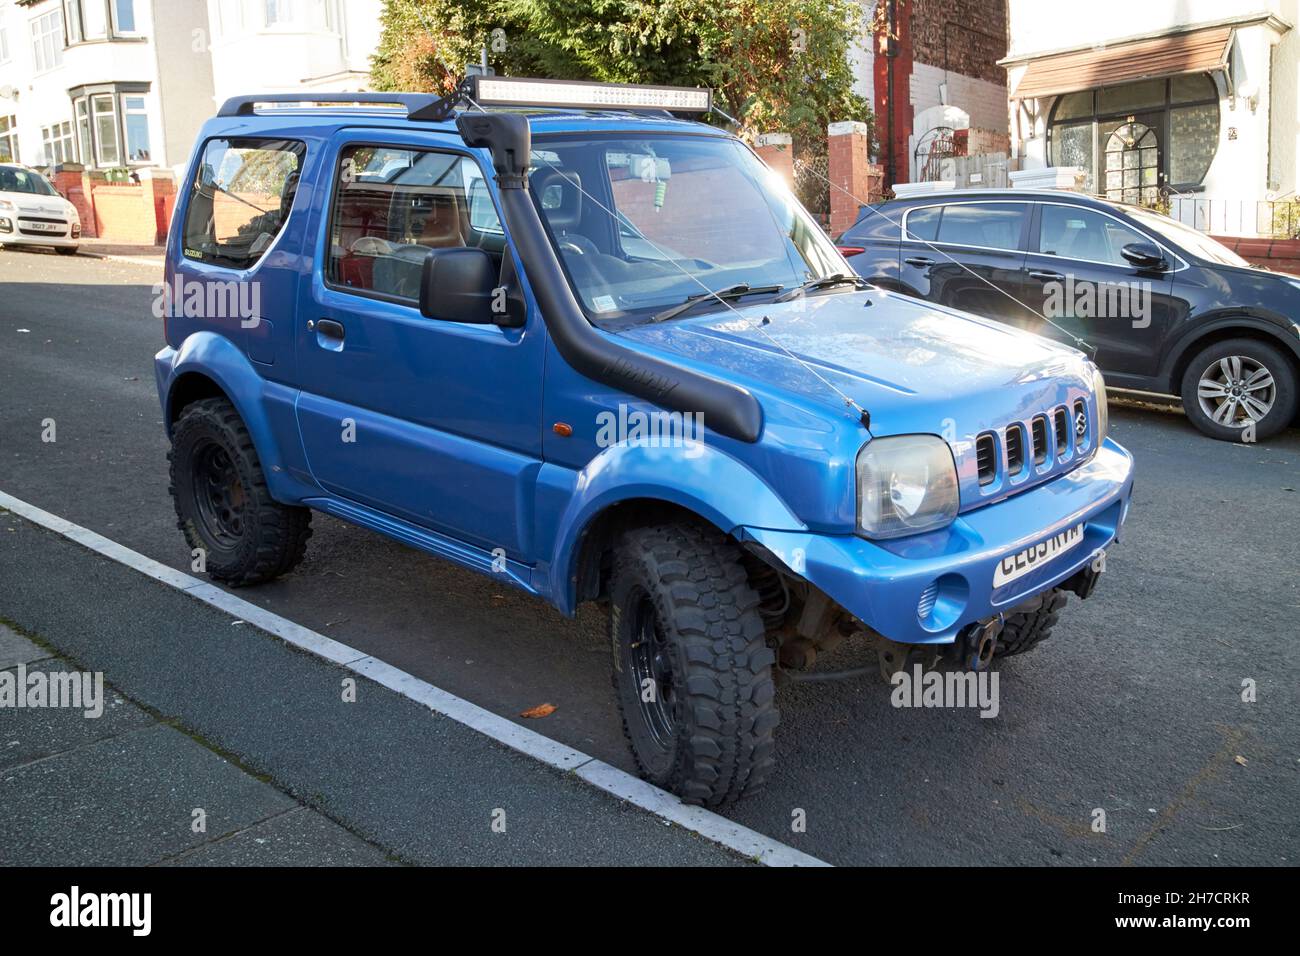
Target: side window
(923,223)
(392,205)
(240,199)
(988,225)
(1074,233)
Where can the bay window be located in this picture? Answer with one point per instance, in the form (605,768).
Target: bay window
(88,20)
(112,123)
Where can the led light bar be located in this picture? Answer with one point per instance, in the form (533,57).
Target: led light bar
(580,94)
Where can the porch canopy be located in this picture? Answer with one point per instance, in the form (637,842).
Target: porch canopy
(1196,51)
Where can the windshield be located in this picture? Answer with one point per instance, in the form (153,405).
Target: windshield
(1197,243)
(642,223)
(15,180)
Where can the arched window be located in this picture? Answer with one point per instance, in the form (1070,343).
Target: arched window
(1132,139)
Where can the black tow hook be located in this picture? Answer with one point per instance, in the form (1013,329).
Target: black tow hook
(978,643)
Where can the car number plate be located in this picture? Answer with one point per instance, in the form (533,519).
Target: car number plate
(1016,566)
(43,227)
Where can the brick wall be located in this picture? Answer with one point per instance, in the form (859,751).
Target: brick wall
(1280,255)
(961,36)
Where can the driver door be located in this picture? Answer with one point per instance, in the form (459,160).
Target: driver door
(434,422)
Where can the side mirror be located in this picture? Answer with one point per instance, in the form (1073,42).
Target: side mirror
(461,285)
(1145,255)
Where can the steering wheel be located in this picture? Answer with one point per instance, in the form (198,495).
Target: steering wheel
(578,245)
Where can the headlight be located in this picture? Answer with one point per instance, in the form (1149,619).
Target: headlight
(1103,407)
(906,485)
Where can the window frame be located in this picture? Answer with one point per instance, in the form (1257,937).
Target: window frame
(192,179)
(124,112)
(10,135)
(1164,110)
(325,243)
(56,137)
(39,34)
(1035,237)
(1023,243)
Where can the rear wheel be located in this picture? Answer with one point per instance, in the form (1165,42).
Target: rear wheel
(1240,390)
(222,502)
(692,669)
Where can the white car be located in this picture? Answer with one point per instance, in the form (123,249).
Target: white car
(32,213)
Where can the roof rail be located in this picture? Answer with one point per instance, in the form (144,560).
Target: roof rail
(414,103)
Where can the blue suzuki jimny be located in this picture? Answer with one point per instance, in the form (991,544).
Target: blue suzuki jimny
(554,333)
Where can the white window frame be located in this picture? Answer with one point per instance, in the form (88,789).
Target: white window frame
(41,31)
(123,112)
(116,27)
(286,16)
(95,114)
(60,144)
(11,136)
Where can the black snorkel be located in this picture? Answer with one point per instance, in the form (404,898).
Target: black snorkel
(727,408)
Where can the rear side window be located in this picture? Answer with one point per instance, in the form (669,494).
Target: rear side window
(924,223)
(392,205)
(240,199)
(987,225)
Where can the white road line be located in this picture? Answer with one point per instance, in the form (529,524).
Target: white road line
(599,774)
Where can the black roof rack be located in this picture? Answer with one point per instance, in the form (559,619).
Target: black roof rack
(418,106)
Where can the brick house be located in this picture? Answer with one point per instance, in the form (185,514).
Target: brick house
(930,70)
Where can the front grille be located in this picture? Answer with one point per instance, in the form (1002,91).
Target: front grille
(42,232)
(56,222)
(1015,449)
(1038,429)
(986,456)
(1025,451)
(1061,421)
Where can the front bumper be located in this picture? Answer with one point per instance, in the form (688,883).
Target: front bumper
(17,237)
(927,588)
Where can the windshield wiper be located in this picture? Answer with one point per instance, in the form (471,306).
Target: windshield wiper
(825,282)
(729,292)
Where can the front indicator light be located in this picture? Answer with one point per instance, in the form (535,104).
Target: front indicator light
(906,485)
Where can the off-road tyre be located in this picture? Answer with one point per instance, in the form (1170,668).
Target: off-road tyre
(249,537)
(708,738)
(1026,630)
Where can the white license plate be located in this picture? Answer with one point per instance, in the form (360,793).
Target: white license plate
(43,227)
(1016,566)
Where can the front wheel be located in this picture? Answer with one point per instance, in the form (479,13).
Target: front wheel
(692,669)
(1240,390)
(66,250)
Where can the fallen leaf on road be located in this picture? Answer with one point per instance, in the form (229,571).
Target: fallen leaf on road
(541,710)
(1240,759)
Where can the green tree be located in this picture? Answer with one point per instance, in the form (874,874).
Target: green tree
(775,65)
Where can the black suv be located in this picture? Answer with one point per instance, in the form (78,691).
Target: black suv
(1167,309)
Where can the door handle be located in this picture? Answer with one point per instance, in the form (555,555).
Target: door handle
(330,329)
(1047,276)
(919,261)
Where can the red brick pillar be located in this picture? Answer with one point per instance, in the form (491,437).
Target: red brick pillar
(776,150)
(73,184)
(855,180)
(160,192)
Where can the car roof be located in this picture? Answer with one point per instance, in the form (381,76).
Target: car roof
(543,121)
(950,195)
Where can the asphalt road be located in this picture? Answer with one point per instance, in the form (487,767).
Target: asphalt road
(1133,707)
